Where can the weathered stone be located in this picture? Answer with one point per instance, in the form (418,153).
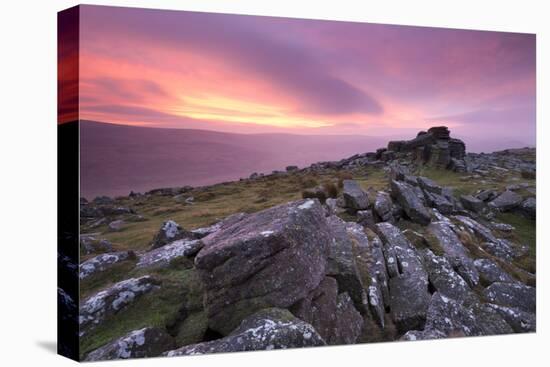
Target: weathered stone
(354,196)
(529,208)
(520,321)
(409,201)
(429,185)
(168,232)
(111,300)
(502,249)
(440,202)
(291,168)
(408,284)
(226,222)
(102,262)
(506,201)
(486,195)
(319,309)
(490,272)
(365,218)
(471,203)
(369,258)
(163,256)
(413,335)
(272,258)
(444,279)
(117,225)
(349,322)
(265,330)
(512,295)
(342,265)
(89,245)
(383,206)
(453,318)
(143,343)
(454,251)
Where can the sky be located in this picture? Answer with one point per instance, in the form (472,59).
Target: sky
(252,74)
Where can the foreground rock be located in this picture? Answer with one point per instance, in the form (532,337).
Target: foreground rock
(163,256)
(272,258)
(265,330)
(108,302)
(103,262)
(143,343)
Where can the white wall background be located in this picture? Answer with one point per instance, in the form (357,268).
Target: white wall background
(28,180)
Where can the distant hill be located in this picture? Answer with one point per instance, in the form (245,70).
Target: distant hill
(118,158)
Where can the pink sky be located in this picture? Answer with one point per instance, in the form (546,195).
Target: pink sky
(264,74)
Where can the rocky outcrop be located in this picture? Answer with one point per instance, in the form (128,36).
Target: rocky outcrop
(108,302)
(529,208)
(90,244)
(520,321)
(272,258)
(143,343)
(471,203)
(434,147)
(265,330)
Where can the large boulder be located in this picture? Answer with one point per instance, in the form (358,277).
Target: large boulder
(272,258)
(408,283)
(143,343)
(444,238)
(163,256)
(407,197)
(103,262)
(506,201)
(267,329)
(110,301)
(354,196)
(169,232)
(515,295)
